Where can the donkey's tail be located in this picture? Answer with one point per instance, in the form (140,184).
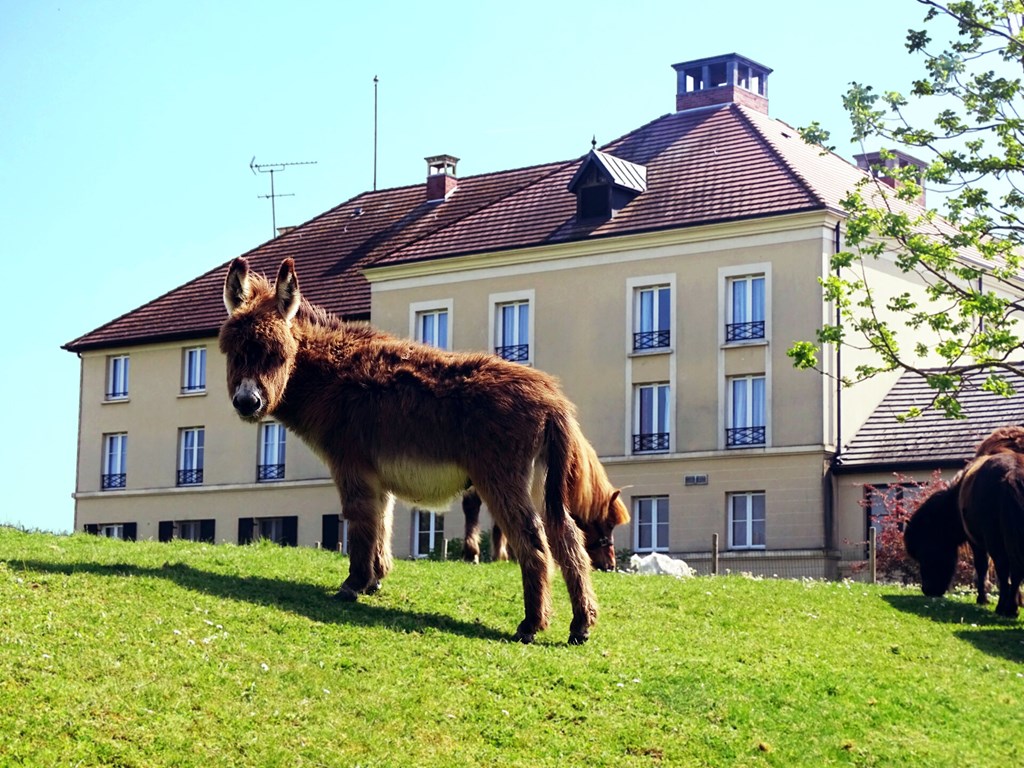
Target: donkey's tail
(1012,513)
(558,437)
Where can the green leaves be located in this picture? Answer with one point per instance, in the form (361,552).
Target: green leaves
(958,305)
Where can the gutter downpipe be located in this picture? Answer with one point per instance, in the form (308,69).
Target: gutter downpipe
(829,479)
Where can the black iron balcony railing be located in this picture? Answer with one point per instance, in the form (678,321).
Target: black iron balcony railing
(651,339)
(188,389)
(269,472)
(110,482)
(516,353)
(744,331)
(649,443)
(743,437)
(117,394)
(190,477)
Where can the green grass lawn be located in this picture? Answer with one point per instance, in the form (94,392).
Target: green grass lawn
(121,654)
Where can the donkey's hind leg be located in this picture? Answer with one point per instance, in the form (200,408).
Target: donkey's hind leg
(369,513)
(471,542)
(521,524)
(570,554)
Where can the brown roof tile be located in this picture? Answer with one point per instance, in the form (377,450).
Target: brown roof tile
(708,165)
(929,440)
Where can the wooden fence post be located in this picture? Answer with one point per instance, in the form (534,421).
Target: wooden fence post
(714,554)
(873,555)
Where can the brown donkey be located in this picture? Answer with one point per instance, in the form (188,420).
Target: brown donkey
(394,417)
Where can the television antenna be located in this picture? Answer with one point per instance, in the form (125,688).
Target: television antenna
(273,168)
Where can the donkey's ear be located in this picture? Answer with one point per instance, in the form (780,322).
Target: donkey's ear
(287,290)
(236,286)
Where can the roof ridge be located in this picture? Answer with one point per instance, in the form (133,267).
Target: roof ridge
(778,155)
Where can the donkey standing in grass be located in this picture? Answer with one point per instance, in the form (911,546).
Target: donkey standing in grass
(394,417)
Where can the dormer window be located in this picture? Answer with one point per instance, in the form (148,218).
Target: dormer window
(605,184)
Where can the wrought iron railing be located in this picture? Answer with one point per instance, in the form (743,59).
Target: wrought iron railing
(190,477)
(117,394)
(744,331)
(516,353)
(649,443)
(651,339)
(188,389)
(109,482)
(742,437)
(266,472)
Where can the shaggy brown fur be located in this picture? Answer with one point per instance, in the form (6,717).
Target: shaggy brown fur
(594,505)
(394,417)
(1002,440)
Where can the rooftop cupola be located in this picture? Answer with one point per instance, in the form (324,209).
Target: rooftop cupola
(441,179)
(878,164)
(605,184)
(728,79)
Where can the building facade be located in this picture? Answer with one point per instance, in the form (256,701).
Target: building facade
(661,277)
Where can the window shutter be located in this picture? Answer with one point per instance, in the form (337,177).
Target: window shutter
(245,526)
(207,529)
(130,531)
(290,526)
(92,529)
(166,530)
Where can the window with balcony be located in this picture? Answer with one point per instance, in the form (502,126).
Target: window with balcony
(746,426)
(190,456)
(512,331)
(746,520)
(650,531)
(115,461)
(746,311)
(193,373)
(652,308)
(272,452)
(117,377)
(651,418)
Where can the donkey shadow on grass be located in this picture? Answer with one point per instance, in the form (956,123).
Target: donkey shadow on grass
(313,601)
(990,633)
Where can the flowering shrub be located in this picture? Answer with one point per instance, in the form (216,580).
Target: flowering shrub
(890,507)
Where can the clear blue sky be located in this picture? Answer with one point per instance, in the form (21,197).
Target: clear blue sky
(126,131)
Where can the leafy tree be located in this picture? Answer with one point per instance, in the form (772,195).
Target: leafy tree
(969,255)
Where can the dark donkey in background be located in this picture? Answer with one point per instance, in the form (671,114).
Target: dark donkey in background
(394,417)
(983,506)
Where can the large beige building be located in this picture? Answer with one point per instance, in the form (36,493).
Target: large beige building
(661,277)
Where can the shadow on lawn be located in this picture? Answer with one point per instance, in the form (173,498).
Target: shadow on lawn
(977,624)
(303,599)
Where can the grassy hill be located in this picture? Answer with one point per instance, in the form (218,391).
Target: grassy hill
(181,654)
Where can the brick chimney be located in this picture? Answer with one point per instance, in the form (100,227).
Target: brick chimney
(728,79)
(876,165)
(441,180)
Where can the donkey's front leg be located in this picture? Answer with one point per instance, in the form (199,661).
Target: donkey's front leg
(369,516)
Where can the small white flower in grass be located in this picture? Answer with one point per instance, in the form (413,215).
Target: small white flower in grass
(327,691)
(264,667)
(177,631)
(505,712)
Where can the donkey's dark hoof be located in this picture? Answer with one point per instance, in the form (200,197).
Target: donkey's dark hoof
(372,588)
(523,637)
(346,595)
(576,638)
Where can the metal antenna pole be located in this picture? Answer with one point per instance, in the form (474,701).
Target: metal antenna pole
(271,168)
(374,133)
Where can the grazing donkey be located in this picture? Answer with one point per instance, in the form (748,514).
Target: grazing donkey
(394,417)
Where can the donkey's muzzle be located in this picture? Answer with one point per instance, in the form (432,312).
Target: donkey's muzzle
(247,403)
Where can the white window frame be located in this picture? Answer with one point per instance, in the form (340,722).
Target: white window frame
(660,416)
(421,309)
(747,419)
(747,500)
(117,378)
(747,281)
(115,458)
(434,530)
(656,322)
(193,371)
(112,531)
(189,530)
(191,457)
(269,528)
(496,302)
(272,452)
(660,519)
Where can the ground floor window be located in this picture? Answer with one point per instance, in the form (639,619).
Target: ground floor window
(650,532)
(188,530)
(334,534)
(123,531)
(428,533)
(747,520)
(280,530)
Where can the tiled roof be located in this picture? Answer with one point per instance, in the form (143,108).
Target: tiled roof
(930,440)
(621,172)
(702,166)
